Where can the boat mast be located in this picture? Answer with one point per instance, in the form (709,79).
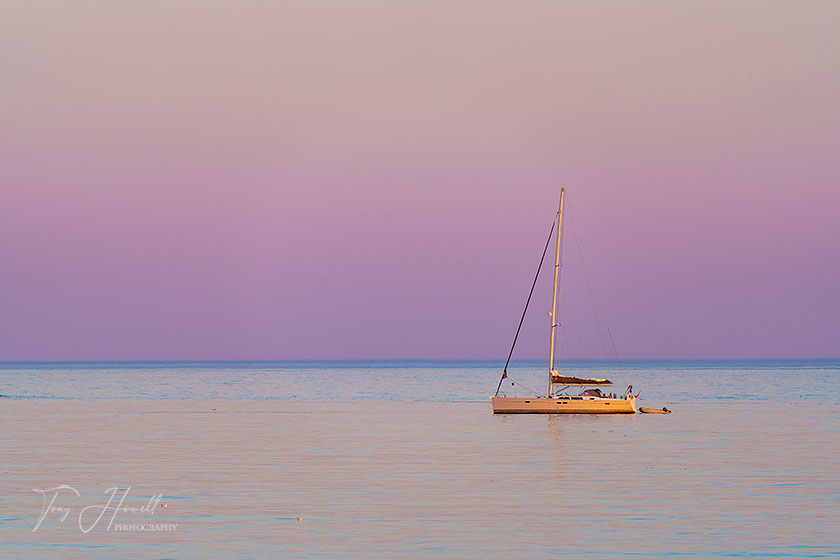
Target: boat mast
(554,322)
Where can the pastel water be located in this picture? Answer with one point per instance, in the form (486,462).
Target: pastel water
(404,460)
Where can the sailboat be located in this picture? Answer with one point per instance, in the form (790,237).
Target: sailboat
(558,399)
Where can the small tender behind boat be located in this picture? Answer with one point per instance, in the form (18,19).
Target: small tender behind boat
(663,410)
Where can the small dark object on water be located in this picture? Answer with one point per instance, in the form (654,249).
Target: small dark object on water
(654,410)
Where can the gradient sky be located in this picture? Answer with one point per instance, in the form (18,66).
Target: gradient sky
(375,179)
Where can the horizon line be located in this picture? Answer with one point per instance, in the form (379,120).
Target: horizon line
(241,360)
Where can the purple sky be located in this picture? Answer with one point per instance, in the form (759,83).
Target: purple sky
(206,180)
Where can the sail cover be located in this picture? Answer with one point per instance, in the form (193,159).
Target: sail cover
(562,380)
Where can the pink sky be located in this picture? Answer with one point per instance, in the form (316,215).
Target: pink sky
(207,180)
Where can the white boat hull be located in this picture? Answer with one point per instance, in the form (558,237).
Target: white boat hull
(564,405)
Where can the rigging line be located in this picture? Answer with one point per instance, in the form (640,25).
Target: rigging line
(564,342)
(537,275)
(562,240)
(576,331)
(512,382)
(615,352)
(588,286)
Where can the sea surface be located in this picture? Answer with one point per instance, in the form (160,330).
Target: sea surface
(404,459)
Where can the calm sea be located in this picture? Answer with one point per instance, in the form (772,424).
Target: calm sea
(404,459)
